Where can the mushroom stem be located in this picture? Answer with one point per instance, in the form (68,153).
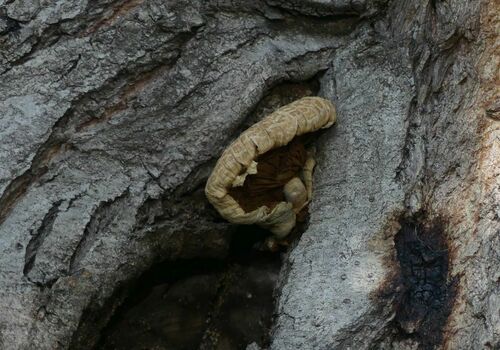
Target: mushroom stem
(296,193)
(307,175)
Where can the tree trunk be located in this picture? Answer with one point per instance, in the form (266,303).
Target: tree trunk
(113,113)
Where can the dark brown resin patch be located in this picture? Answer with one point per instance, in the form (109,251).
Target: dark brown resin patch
(426,292)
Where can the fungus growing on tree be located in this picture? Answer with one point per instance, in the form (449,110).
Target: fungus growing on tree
(265,176)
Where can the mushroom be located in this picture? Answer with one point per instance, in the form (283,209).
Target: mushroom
(265,176)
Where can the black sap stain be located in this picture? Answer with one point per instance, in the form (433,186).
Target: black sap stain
(426,295)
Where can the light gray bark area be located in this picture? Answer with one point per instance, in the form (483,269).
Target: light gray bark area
(336,266)
(414,136)
(114,111)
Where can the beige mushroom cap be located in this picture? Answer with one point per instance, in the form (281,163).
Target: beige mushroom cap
(303,116)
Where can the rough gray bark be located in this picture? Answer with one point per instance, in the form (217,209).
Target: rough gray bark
(113,112)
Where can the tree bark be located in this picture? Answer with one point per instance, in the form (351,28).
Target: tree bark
(113,113)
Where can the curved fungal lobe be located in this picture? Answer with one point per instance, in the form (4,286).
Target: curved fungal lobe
(265,176)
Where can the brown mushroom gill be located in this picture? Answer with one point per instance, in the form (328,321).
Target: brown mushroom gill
(274,170)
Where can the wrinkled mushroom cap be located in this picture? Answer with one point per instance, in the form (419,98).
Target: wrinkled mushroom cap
(303,116)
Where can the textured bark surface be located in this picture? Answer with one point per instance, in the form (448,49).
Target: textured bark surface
(113,113)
